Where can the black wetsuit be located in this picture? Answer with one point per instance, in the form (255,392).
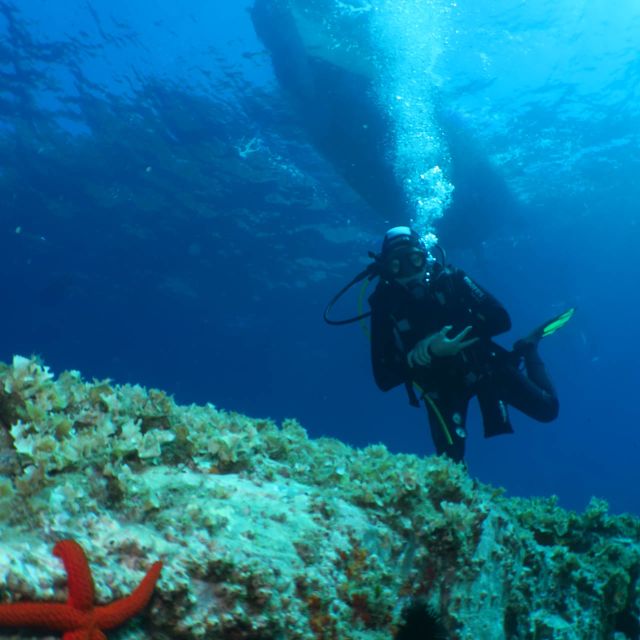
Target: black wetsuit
(399,320)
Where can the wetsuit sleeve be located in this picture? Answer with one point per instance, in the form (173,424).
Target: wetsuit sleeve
(483,310)
(388,360)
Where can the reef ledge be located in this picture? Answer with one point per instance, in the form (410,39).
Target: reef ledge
(266,534)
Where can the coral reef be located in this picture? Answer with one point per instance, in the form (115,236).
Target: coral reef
(267,534)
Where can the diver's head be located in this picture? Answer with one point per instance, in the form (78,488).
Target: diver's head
(404,258)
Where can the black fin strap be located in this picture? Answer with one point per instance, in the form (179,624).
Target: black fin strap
(411,392)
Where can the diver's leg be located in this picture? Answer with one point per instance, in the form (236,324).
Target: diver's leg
(533,393)
(447,419)
(537,372)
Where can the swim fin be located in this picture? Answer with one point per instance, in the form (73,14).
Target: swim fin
(544,330)
(551,326)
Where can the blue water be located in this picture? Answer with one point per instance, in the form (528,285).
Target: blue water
(166,220)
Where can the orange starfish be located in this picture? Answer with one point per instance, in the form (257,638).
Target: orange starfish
(79,618)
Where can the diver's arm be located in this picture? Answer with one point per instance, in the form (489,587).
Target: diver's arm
(485,313)
(389,363)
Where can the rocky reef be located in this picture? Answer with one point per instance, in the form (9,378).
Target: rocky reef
(266,534)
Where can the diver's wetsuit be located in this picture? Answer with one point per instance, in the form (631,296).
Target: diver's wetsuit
(400,319)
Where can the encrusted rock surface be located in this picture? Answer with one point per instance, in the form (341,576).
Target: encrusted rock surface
(266,534)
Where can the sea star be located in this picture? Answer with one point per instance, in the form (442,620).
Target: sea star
(79,618)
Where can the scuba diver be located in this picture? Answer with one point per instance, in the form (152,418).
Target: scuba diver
(432,329)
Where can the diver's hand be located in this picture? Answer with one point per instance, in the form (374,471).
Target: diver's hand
(420,354)
(443,347)
(438,345)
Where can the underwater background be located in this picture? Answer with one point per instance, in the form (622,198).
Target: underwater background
(167,217)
